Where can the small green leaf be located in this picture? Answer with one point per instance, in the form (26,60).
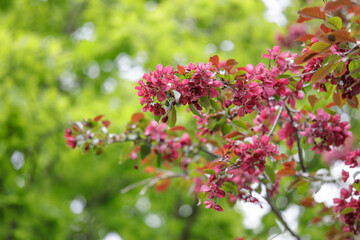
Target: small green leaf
(145,150)
(209,171)
(205,101)
(347,210)
(225,129)
(357,186)
(334,23)
(194,110)
(214,105)
(157,118)
(354,68)
(172,117)
(271,173)
(320,46)
(230,187)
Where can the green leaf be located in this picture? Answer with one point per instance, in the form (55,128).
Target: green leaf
(194,110)
(172,117)
(145,150)
(209,171)
(334,23)
(225,129)
(230,187)
(320,46)
(271,173)
(157,118)
(354,68)
(347,210)
(320,73)
(357,186)
(214,105)
(205,101)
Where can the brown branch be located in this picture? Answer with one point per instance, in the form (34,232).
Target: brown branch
(276,122)
(300,153)
(278,214)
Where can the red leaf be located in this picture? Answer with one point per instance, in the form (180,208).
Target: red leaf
(338,100)
(231,62)
(353,102)
(233,134)
(342,36)
(137,117)
(106,123)
(330,105)
(181,70)
(289,164)
(305,57)
(313,100)
(308,202)
(215,61)
(149,169)
(97,118)
(334,5)
(312,13)
(162,185)
(301,19)
(321,73)
(178,128)
(325,29)
(305,37)
(286,172)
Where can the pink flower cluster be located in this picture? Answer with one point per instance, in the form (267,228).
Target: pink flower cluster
(168,147)
(159,85)
(349,202)
(253,154)
(71,140)
(325,131)
(351,158)
(287,130)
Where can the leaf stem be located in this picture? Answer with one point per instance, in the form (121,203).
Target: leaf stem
(278,214)
(300,153)
(276,121)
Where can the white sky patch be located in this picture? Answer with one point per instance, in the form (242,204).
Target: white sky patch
(129,68)
(112,236)
(274,11)
(86,32)
(253,213)
(17,160)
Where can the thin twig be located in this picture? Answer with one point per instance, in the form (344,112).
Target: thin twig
(278,214)
(303,74)
(300,153)
(209,153)
(276,121)
(149,182)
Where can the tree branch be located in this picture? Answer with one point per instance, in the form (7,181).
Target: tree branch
(300,153)
(276,121)
(278,214)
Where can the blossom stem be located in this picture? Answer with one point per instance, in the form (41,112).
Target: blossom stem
(278,214)
(276,121)
(300,153)
(303,74)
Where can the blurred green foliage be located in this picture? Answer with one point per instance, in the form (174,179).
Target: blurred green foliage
(62,60)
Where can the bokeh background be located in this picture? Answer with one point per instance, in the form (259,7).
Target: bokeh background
(63,60)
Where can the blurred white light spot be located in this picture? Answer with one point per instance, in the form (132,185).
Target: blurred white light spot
(327,193)
(109,85)
(17,160)
(94,70)
(210,49)
(112,236)
(67,81)
(227,45)
(77,205)
(143,204)
(274,11)
(253,213)
(153,220)
(185,210)
(129,69)
(86,32)
(150,6)
(20,182)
